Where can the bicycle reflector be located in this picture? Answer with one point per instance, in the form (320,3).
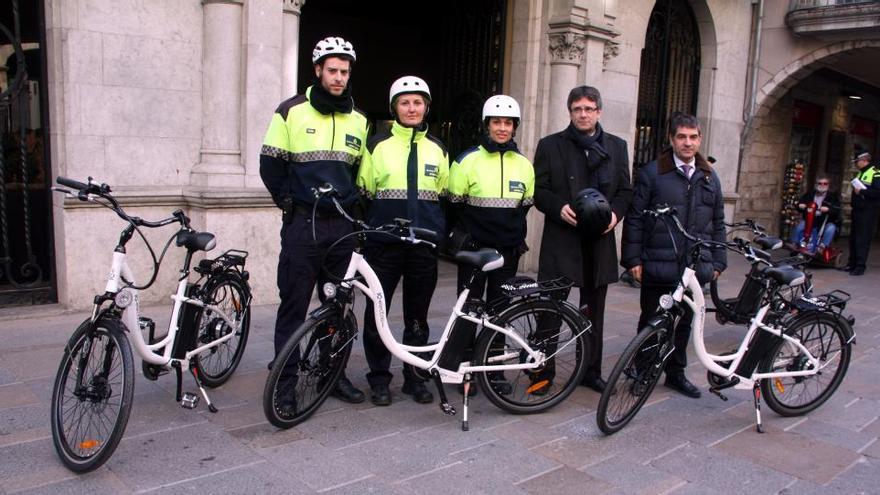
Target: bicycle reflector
(88,444)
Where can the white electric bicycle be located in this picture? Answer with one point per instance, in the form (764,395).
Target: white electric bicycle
(207,334)
(529,355)
(796,350)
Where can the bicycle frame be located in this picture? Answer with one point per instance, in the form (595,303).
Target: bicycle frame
(131,314)
(697,304)
(406,353)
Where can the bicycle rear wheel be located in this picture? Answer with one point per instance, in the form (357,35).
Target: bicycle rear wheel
(230,293)
(548,327)
(91,399)
(633,378)
(307,368)
(824,336)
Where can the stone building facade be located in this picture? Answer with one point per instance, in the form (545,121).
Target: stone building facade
(168,100)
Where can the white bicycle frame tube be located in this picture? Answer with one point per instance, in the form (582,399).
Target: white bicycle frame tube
(697,303)
(373,290)
(131,314)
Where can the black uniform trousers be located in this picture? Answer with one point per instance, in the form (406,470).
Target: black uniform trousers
(490,284)
(864,225)
(299,267)
(649,299)
(417,265)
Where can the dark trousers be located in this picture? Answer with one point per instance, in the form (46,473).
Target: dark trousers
(417,265)
(592,301)
(299,267)
(490,284)
(649,298)
(864,225)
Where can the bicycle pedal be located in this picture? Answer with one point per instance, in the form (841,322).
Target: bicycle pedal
(189,400)
(447,408)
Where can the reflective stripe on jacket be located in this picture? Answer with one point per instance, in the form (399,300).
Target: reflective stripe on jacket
(304,149)
(404,174)
(492,192)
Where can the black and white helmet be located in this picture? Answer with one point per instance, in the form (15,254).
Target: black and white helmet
(332,45)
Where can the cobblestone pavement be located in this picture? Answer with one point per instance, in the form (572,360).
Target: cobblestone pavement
(675,445)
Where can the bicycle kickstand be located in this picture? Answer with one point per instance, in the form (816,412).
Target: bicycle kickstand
(445,406)
(464,407)
(756,394)
(195,374)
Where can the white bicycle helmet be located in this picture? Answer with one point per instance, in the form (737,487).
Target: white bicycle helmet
(332,45)
(501,106)
(409,84)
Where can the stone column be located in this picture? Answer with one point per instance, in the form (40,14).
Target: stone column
(567,43)
(290,47)
(220,156)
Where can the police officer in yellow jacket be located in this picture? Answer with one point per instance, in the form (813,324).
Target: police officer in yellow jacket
(314,139)
(491,188)
(403,174)
(865,212)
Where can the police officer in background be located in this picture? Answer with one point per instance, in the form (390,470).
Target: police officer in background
(314,139)
(403,174)
(491,188)
(865,211)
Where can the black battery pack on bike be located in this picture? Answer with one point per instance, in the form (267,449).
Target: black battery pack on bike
(751,294)
(461,339)
(760,346)
(185,339)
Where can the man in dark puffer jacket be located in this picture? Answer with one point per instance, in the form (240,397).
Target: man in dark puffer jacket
(683,179)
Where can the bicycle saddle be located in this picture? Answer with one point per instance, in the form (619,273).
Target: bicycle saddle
(196,241)
(768,243)
(786,275)
(486,259)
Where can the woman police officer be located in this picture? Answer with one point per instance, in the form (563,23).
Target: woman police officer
(491,188)
(403,174)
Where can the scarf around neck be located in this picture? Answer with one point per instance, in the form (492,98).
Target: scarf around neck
(592,145)
(327,103)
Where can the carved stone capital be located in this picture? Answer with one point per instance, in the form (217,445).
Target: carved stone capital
(567,47)
(293,6)
(612,49)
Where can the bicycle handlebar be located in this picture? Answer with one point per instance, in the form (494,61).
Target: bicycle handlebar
(85,191)
(415,235)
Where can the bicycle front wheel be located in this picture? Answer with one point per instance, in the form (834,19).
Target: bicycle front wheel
(633,378)
(307,368)
(91,399)
(548,327)
(229,292)
(824,336)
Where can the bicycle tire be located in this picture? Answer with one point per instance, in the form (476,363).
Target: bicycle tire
(536,390)
(633,378)
(307,368)
(82,416)
(824,336)
(230,292)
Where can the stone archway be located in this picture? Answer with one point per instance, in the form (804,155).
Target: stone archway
(767,135)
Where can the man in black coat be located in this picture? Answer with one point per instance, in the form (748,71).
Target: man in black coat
(582,156)
(683,179)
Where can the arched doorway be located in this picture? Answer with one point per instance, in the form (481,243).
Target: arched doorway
(668,75)
(456,46)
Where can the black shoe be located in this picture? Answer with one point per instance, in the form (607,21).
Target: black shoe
(681,384)
(346,392)
(270,364)
(594,382)
(287,408)
(857,271)
(846,268)
(499,383)
(418,391)
(380,395)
